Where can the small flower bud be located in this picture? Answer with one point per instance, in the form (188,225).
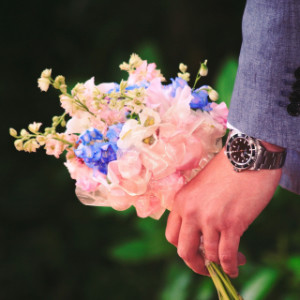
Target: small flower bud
(124,66)
(59,81)
(79,88)
(41,140)
(46,73)
(55,119)
(13,132)
(34,127)
(123,85)
(48,130)
(63,88)
(182,68)
(185,76)
(213,95)
(43,84)
(203,69)
(19,145)
(63,123)
(24,132)
(135,60)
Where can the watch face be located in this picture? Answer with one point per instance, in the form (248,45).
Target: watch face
(241,151)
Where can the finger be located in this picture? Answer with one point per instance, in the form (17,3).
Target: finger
(211,239)
(241,259)
(228,252)
(173,228)
(188,248)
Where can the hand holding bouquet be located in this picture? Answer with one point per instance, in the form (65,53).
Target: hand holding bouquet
(135,143)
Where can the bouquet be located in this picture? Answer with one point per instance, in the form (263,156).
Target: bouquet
(135,143)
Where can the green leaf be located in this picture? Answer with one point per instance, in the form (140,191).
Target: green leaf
(132,251)
(259,286)
(293,264)
(151,245)
(178,282)
(225,80)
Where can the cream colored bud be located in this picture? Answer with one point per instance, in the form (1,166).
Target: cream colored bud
(34,127)
(59,81)
(203,69)
(182,68)
(185,76)
(55,119)
(63,123)
(13,132)
(124,66)
(63,88)
(135,60)
(19,145)
(43,84)
(41,140)
(79,88)
(123,85)
(46,73)
(48,130)
(24,132)
(31,146)
(213,95)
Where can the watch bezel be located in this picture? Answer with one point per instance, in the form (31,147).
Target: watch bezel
(253,155)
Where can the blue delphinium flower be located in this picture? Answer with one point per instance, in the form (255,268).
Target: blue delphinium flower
(113,132)
(176,83)
(96,151)
(200,100)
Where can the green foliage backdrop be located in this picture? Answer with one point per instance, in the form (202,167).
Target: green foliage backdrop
(53,247)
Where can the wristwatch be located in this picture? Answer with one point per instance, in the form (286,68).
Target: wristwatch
(248,153)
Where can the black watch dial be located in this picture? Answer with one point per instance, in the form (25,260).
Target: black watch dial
(241,151)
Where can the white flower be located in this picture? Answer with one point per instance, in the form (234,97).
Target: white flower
(149,117)
(133,134)
(43,84)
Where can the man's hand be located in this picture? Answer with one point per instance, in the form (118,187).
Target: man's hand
(218,204)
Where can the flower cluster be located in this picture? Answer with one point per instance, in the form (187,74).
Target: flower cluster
(133,143)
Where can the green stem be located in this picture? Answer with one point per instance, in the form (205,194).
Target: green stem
(225,280)
(196,81)
(218,283)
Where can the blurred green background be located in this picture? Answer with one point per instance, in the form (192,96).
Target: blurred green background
(53,247)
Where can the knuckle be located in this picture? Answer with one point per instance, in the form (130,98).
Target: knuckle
(189,214)
(210,247)
(226,259)
(209,220)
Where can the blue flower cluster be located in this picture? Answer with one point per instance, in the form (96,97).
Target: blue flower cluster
(200,97)
(97,151)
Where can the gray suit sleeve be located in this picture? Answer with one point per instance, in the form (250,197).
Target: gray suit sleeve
(270,54)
